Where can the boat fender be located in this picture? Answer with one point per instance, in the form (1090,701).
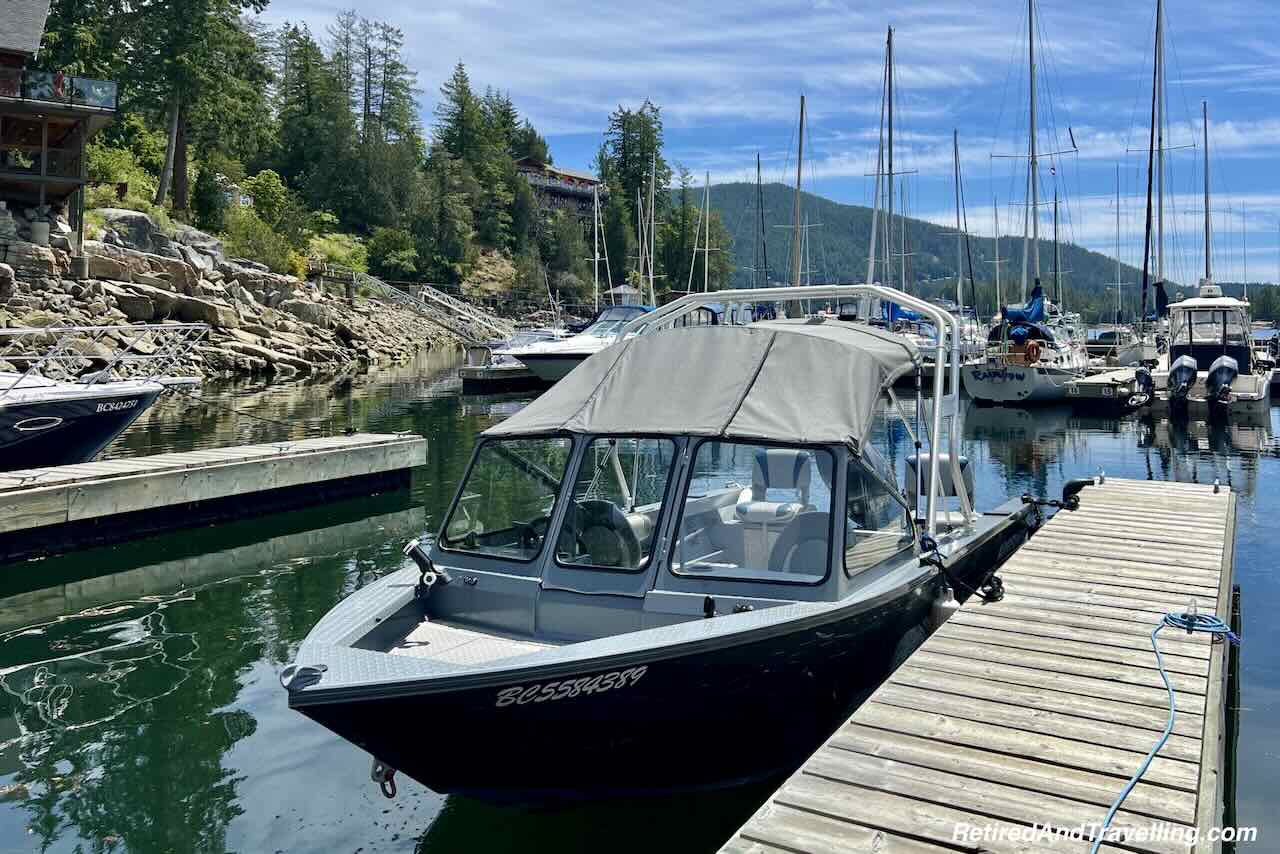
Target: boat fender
(385,776)
(944,605)
(708,607)
(429,574)
(1143,387)
(295,678)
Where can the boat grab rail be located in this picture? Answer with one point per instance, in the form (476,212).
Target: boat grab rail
(59,352)
(946,327)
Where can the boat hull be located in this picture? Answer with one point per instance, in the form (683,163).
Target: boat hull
(995,382)
(750,707)
(551,367)
(65,431)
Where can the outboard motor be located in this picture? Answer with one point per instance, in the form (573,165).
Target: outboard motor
(1182,376)
(1143,387)
(1222,373)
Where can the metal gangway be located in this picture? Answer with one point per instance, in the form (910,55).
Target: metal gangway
(470,323)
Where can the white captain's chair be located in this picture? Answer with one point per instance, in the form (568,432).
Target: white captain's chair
(762,518)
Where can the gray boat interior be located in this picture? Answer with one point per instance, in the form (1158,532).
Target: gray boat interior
(568,544)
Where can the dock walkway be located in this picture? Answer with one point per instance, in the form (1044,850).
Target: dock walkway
(1035,710)
(55,509)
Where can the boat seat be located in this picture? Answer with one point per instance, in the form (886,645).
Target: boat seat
(803,545)
(762,517)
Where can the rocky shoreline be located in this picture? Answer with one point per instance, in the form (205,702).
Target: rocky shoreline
(261,323)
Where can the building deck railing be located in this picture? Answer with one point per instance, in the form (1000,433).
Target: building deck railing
(54,87)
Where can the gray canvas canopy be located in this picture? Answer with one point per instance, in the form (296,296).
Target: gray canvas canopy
(788,381)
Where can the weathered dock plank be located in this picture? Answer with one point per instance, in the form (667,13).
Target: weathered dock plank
(1035,710)
(60,508)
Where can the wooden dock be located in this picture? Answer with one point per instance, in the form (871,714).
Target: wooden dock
(56,509)
(1034,711)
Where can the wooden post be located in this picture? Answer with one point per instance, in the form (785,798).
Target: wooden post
(44,156)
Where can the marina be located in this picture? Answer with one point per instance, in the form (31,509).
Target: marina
(416,451)
(1016,451)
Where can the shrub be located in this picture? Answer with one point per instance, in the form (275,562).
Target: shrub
(117,166)
(247,236)
(270,195)
(345,250)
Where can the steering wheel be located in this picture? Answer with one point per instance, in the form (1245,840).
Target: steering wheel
(601,531)
(530,534)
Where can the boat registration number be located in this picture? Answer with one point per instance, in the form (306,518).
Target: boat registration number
(520,695)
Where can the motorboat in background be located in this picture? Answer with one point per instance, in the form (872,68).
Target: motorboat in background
(489,367)
(1211,362)
(632,564)
(65,396)
(551,360)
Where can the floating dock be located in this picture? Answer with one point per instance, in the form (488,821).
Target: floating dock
(1035,711)
(56,509)
(1109,389)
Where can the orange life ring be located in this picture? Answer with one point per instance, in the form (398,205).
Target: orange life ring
(1033,352)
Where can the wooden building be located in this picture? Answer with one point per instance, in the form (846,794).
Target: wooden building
(560,189)
(46,117)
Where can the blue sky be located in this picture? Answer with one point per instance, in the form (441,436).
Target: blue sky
(728,77)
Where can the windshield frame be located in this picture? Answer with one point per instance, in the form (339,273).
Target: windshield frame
(442,541)
(691,456)
(664,506)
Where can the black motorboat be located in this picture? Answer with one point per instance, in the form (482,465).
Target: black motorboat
(645,585)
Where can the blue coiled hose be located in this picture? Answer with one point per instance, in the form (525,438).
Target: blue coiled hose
(1188,622)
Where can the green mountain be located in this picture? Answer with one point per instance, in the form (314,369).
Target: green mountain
(838,249)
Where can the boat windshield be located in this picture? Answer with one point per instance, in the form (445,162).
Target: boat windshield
(505,504)
(617,498)
(756,513)
(611,320)
(1210,326)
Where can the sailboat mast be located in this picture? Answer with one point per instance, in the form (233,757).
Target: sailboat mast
(875,210)
(706,243)
(755,244)
(1118,304)
(1151,160)
(795,214)
(1033,174)
(955,152)
(1159,131)
(1208,254)
(759,204)
(888,247)
(1057,257)
(653,225)
(595,244)
(902,191)
(641,242)
(995,214)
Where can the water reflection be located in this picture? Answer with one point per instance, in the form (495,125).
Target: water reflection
(139,708)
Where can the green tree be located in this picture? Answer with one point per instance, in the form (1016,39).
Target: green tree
(209,203)
(270,196)
(392,254)
(460,125)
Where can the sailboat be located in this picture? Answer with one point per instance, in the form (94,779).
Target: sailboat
(1034,350)
(1210,362)
(881,251)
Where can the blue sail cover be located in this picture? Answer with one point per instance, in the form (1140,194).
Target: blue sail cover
(1032,312)
(893,312)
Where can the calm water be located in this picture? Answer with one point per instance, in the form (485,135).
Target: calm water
(141,712)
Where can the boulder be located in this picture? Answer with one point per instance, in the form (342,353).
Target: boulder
(205,244)
(271,357)
(163,302)
(31,260)
(196,310)
(201,262)
(306,311)
(135,229)
(8,282)
(136,307)
(182,274)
